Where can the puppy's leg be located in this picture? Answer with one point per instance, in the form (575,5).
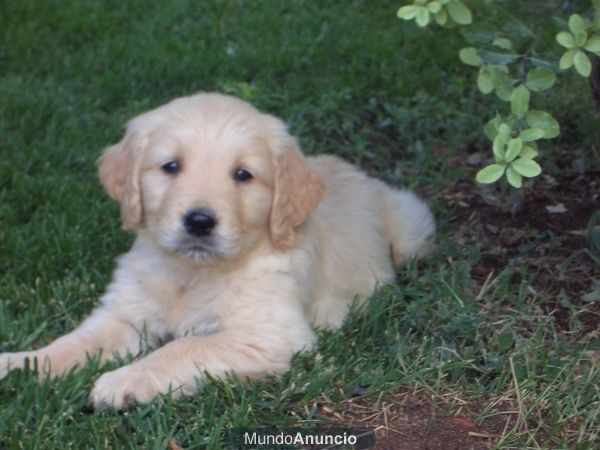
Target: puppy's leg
(101,331)
(408,224)
(176,366)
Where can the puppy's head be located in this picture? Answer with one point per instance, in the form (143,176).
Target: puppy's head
(209,176)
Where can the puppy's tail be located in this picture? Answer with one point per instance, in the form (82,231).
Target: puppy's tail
(408,224)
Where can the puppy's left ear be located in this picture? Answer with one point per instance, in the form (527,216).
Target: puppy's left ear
(119,171)
(298,190)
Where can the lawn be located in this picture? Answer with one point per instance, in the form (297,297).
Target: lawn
(491,341)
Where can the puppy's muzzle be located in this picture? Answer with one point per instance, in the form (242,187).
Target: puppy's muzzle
(199,222)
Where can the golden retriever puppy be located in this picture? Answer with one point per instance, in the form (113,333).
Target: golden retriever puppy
(243,247)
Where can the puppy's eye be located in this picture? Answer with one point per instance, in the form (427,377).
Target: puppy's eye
(172,167)
(242,175)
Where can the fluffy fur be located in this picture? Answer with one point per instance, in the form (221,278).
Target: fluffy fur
(293,246)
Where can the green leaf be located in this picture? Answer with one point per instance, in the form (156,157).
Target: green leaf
(498,147)
(543,120)
(513,149)
(459,12)
(503,43)
(526,167)
(540,79)
(484,81)
(577,24)
(550,65)
(519,101)
(582,64)
(565,39)
(499,73)
(441,17)
(531,134)
(504,90)
(513,177)
(434,7)
(490,57)
(408,12)
(580,39)
(491,128)
(567,59)
(593,43)
(477,34)
(504,130)
(593,233)
(528,152)
(422,18)
(470,57)
(490,173)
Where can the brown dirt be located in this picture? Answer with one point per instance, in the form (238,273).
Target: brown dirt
(542,229)
(408,420)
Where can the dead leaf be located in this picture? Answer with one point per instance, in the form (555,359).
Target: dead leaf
(480,435)
(559,208)
(492,228)
(466,423)
(474,159)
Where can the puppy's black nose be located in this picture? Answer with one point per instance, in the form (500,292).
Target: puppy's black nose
(199,222)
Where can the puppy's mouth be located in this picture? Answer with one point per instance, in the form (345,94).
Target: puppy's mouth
(199,249)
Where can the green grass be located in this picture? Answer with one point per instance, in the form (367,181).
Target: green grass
(350,79)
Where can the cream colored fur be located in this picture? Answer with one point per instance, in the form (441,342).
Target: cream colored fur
(293,247)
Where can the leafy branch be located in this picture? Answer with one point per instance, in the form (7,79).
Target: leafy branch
(513,77)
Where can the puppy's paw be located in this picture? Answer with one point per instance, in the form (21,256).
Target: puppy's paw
(125,386)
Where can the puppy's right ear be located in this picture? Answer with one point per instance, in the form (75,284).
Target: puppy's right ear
(298,191)
(119,171)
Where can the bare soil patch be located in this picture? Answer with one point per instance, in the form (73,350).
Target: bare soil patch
(543,229)
(409,420)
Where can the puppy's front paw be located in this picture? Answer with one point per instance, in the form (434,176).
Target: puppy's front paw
(124,386)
